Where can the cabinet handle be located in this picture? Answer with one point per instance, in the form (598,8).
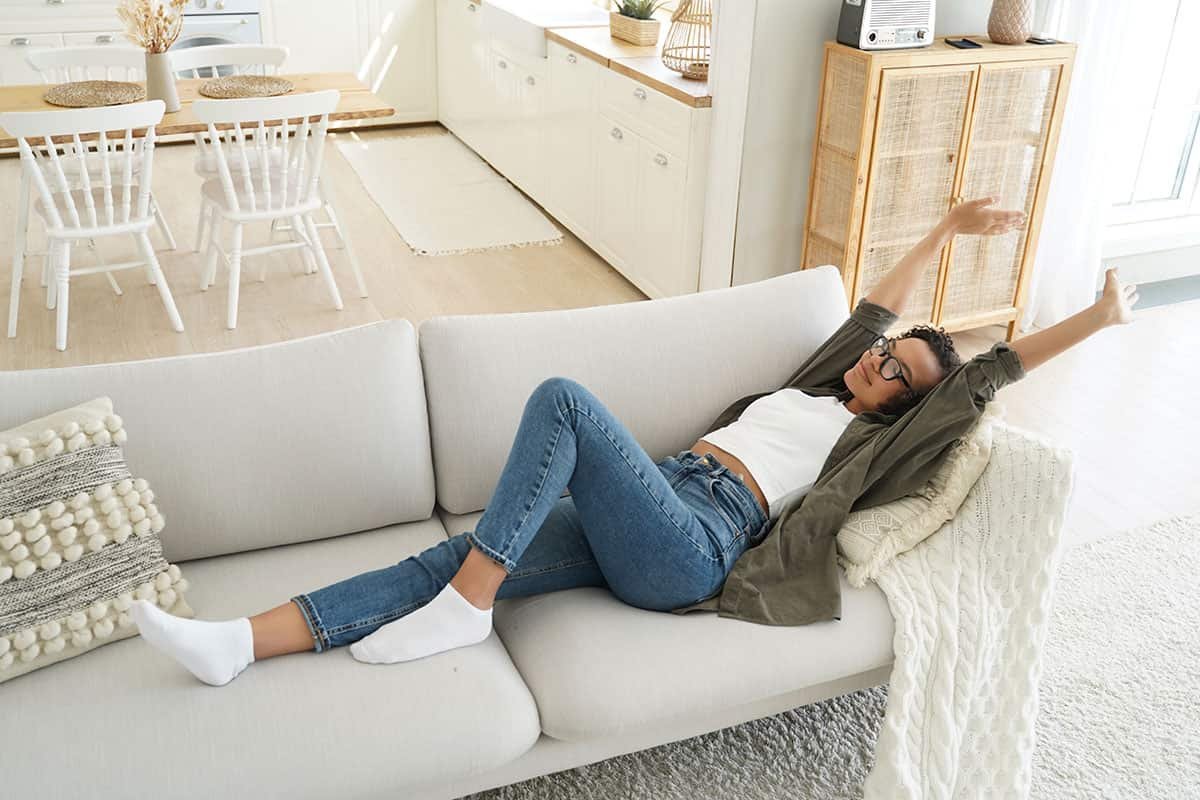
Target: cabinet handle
(571,59)
(616,134)
(19,41)
(104,38)
(470,6)
(661,160)
(502,64)
(639,93)
(529,79)
(55,2)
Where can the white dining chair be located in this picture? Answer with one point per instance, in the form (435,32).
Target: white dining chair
(211,61)
(97,62)
(280,181)
(118,203)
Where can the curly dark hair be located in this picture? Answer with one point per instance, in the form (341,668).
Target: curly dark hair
(943,347)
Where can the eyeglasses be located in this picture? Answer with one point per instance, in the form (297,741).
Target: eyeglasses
(891,369)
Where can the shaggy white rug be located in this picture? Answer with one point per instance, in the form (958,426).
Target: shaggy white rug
(1118,710)
(442,198)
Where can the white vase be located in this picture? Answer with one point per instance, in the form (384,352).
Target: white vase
(160,82)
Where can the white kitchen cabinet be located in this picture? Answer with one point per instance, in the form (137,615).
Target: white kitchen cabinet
(662,184)
(13,67)
(620,163)
(616,185)
(570,143)
(462,66)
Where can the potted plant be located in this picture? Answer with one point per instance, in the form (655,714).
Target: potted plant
(154,26)
(634,21)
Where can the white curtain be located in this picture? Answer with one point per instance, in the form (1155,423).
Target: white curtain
(1067,264)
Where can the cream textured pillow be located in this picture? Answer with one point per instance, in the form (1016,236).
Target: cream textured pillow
(78,540)
(872,537)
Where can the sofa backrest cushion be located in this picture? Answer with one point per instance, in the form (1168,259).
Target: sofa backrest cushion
(666,368)
(250,448)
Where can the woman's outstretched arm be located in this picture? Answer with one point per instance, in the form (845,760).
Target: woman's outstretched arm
(896,288)
(1112,308)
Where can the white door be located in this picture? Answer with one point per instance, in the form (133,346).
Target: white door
(570,146)
(661,254)
(530,164)
(616,190)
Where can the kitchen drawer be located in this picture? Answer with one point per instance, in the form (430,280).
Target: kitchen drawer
(648,112)
(93,38)
(14,46)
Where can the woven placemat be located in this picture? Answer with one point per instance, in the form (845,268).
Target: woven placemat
(245,86)
(84,94)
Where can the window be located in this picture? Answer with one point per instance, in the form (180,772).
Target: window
(1155,178)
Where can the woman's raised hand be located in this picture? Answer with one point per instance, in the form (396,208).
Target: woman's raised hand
(973,216)
(1118,298)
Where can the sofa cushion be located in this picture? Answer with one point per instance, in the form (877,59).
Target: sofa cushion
(78,540)
(130,721)
(598,667)
(268,445)
(666,368)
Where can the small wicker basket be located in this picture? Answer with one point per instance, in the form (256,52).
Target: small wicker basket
(634,31)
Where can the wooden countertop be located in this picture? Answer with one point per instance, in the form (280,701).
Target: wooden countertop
(642,64)
(356,101)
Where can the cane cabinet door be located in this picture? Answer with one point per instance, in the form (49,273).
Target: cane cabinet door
(1010,125)
(919,127)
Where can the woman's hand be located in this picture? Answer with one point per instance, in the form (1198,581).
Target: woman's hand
(973,216)
(1117,300)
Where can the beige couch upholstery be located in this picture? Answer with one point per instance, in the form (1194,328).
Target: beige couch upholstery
(287,467)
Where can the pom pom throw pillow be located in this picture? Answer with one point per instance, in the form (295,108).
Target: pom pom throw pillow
(78,540)
(871,537)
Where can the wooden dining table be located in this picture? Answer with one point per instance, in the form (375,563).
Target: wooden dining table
(357,101)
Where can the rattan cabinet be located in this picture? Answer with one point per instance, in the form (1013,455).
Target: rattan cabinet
(904,135)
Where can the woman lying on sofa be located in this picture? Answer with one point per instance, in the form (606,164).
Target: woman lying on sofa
(863,421)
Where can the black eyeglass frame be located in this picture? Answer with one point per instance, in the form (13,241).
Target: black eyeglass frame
(886,350)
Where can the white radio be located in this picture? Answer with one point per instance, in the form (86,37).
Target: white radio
(886,24)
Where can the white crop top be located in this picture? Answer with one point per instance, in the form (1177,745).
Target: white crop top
(784,439)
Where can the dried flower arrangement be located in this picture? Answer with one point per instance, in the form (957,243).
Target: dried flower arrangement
(152,24)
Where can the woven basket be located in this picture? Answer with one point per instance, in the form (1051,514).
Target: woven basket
(634,31)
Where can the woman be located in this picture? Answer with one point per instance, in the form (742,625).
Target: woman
(659,536)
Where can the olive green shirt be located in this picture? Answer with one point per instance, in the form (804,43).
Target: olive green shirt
(791,577)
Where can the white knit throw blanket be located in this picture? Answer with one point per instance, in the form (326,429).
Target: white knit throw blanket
(972,606)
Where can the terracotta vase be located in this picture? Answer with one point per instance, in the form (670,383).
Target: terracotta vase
(160,81)
(1011,21)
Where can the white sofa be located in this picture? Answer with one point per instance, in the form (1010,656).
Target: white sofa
(284,468)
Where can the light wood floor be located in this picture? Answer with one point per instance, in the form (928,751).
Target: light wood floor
(1123,401)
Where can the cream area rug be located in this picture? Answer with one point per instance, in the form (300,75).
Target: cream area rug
(1118,702)
(442,198)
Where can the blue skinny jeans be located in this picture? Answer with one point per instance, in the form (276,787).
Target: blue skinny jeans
(658,536)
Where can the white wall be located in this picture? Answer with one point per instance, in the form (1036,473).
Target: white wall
(781,120)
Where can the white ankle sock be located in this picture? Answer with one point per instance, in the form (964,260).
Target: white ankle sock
(447,621)
(215,652)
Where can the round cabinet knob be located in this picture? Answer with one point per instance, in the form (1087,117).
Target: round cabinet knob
(571,59)
(529,79)
(219,5)
(616,134)
(470,6)
(661,160)
(639,93)
(502,64)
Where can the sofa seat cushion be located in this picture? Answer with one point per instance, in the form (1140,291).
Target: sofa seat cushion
(306,725)
(597,666)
